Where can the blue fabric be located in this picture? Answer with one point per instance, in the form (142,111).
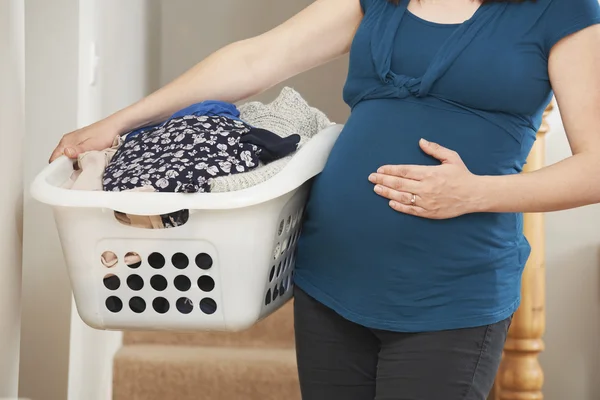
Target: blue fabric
(479,88)
(211,108)
(272,146)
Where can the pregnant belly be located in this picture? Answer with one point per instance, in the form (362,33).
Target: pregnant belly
(344,209)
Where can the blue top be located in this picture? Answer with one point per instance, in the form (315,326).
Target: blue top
(478,88)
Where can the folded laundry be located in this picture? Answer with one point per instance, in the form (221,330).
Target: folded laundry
(232,183)
(271,147)
(89,168)
(288,114)
(164,221)
(187,152)
(208,146)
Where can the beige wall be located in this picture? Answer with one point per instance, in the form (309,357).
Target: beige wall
(191,30)
(572,357)
(11,199)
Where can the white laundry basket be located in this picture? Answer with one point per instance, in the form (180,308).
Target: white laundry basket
(228,267)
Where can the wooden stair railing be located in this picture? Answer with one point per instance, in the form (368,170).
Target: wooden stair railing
(521,376)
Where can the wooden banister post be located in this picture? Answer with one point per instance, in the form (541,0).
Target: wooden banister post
(520,376)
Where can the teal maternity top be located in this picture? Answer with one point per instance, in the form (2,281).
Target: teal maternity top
(478,88)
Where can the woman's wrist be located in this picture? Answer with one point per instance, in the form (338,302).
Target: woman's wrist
(483,195)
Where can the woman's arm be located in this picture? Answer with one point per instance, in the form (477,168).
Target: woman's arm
(318,34)
(574,67)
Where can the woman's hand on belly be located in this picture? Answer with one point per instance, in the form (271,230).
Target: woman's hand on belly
(436,192)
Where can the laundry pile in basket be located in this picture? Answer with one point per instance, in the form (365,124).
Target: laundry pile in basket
(211,146)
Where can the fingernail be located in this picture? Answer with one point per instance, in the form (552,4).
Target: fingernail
(380,170)
(393,204)
(372,177)
(69,152)
(378,189)
(424,141)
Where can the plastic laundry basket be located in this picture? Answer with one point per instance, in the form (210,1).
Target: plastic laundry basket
(229,266)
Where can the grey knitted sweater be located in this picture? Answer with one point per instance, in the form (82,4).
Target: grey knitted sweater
(288,114)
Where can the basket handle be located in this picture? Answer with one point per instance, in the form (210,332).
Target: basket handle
(308,162)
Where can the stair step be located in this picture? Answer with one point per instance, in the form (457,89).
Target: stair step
(275,331)
(159,372)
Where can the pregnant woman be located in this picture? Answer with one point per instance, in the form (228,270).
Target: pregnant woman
(409,267)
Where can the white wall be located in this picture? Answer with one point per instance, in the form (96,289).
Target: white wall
(51,32)
(572,357)
(63,93)
(12,70)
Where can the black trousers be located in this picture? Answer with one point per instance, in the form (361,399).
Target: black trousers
(341,360)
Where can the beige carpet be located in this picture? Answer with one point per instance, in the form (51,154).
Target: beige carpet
(257,364)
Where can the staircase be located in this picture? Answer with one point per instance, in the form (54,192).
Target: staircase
(257,364)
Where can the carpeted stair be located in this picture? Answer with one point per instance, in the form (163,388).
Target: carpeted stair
(256,364)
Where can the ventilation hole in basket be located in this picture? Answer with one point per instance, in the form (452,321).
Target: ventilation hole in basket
(294,220)
(279,269)
(206,283)
(208,306)
(133,260)
(109,259)
(285,246)
(158,283)
(282,289)
(204,261)
(268,298)
(182,283)
(112,282)
(184,305)
(272,274)
(288,224)
(275,293)
(114,304)
(160,305)
(277,250)
(180,261)
(135,282)
(280,229)
(156,260)
(137,305)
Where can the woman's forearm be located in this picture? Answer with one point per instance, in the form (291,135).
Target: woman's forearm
(318,34)
(571,183)
(229,74)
